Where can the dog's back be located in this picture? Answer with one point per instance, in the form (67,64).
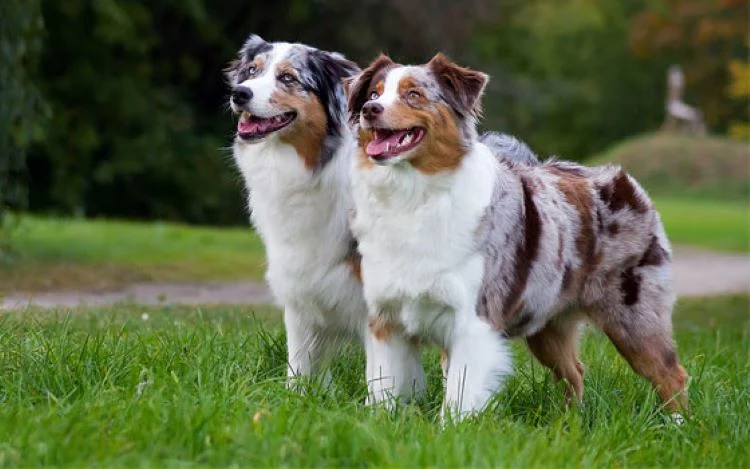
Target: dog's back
(510,148)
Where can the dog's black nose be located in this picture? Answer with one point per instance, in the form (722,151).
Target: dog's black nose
(241,95)
(371,110)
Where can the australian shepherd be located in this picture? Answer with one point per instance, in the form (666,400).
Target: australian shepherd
(293,148)
(464,249)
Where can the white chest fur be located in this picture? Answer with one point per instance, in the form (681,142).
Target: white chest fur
(417,237)
(302,217)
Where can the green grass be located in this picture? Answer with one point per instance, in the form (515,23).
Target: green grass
(679,166)
(54,254)
(723,226)
(205,387)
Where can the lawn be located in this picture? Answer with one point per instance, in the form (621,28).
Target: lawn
(53,254)
(178,387)
(718,225)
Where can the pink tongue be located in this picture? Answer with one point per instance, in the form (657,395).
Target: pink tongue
(247,126)
(244,126)
(380,146)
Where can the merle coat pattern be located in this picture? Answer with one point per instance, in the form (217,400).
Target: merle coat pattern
(462,247)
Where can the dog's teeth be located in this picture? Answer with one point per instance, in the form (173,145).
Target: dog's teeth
(407,139)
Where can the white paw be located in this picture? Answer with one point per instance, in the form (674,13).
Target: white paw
(677,418)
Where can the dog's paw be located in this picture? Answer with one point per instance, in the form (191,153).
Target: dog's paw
(677,418)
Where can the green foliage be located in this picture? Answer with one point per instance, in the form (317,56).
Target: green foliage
(704,36)
(21,111)
(140,126)
(139,99)
(739,91)
(129,136)
(564,78)
(181,387)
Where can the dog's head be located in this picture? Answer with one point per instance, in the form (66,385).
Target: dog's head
(291,92)
(421,115)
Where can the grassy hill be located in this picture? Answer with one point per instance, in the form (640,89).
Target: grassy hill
(681,166)
(701,186)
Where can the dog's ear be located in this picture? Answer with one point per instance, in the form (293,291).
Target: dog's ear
(461,87)
(328,70)
(253,46)
(337,65)
(357,86)
(230,71)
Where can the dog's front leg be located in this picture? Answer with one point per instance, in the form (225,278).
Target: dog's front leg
(307,347)
(478,359)
(394,369)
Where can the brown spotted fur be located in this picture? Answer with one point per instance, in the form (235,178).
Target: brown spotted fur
(587,243)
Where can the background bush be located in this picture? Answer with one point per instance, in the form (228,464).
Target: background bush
(21,111)
(139,126)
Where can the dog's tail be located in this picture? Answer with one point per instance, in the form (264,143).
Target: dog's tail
(509,148)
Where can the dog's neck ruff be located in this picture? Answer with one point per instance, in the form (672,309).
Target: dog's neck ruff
(301,214)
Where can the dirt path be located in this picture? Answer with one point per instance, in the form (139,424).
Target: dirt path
(697,273)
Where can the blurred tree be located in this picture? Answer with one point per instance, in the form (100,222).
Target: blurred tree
(703,36)
(140,124)
(739,91)
(21,110)
(131,136)
(564,78)
(139,101)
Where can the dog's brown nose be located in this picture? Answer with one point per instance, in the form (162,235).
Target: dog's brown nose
(371,110)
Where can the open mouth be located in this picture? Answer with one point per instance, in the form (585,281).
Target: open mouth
(252,127)
(392,142)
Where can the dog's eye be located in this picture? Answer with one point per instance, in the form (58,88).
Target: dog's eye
(374,95)
(252,69)
(286,78)
(415,94)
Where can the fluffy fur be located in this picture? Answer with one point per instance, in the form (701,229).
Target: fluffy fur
(471,248)
(296,172)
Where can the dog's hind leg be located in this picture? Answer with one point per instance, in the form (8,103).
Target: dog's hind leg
(638,321)
(556,347)
(654,357)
